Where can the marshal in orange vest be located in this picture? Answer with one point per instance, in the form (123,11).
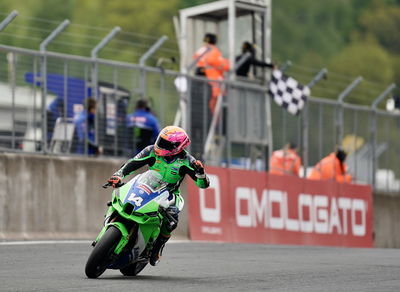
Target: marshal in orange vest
(332,167)
(285,161)
(213,65)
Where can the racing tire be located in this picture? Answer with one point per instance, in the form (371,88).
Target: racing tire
(101,254)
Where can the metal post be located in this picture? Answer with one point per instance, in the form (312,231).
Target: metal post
(341,97)
(387,132)
(320,129)
(152,50)
(270,141)
(231,33)
(43,82)
(374,106)
(35,74)
(355,140)
(53,34)
(349,89)
(13,85)
(94,74)
(321,75)
(305,122)
(285,65)
(142,62)
(116,122)
(304,117)
(162,98)
(387,91)
(104,42)
(186,118)
(284,127)
(206,117)
(87,85)
(267,32)
(8,19)
(65,118)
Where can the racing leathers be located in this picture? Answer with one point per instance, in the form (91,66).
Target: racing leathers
(173,170)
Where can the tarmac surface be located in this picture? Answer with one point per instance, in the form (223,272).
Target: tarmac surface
(202,266)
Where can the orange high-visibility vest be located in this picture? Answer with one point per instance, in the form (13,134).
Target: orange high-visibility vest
(285,162)
(329,169)
(214,66)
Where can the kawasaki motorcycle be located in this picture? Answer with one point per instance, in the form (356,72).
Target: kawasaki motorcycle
(132,224)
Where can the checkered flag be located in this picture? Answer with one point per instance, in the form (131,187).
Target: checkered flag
(287,92)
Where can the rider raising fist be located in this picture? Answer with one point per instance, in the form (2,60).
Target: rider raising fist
(169,158)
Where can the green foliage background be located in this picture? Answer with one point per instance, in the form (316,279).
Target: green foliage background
(348,37)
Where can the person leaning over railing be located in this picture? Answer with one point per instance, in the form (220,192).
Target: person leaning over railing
(332,167)
(244,69)
(285,161)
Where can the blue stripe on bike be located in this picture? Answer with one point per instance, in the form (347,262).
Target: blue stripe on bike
(141,191)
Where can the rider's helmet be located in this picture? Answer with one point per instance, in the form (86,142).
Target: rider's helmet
(170,141)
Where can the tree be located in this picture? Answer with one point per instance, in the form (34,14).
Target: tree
(308,27)
(368,60)
(383,21)
(152,17)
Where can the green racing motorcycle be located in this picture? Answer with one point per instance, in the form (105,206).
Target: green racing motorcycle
(132,224)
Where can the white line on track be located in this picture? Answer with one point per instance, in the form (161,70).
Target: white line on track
(31,242)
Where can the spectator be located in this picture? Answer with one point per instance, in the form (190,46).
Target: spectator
(285,161)
(144,126)
(332,167)
(85,129)
(212,65)
(243,70)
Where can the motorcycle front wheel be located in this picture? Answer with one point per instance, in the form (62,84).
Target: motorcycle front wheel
(101,255)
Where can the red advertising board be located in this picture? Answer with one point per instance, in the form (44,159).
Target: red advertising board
(255,207)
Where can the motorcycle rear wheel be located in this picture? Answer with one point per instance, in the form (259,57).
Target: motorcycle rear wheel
(100,257)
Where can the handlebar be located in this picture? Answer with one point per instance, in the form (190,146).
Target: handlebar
(108,184)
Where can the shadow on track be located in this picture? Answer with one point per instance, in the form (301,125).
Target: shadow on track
(149,278)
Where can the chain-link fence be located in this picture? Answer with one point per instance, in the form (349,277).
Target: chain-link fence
(43,94)
(370,137)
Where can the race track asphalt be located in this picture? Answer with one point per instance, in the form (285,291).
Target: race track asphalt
(201,266)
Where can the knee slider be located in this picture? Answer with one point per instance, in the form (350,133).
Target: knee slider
(170,225)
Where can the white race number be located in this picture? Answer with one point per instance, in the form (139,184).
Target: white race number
(137,200)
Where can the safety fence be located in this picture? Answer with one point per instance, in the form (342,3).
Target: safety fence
(40,114)
(43,94)
(370,136)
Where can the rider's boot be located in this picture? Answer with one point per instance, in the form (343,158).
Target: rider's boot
(158,247)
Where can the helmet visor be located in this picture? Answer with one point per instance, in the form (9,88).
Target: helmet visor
(166,145)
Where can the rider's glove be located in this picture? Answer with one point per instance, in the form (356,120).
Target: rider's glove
(199,169)
(116,180)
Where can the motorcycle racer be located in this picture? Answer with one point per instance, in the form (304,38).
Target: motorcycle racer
(169,158)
